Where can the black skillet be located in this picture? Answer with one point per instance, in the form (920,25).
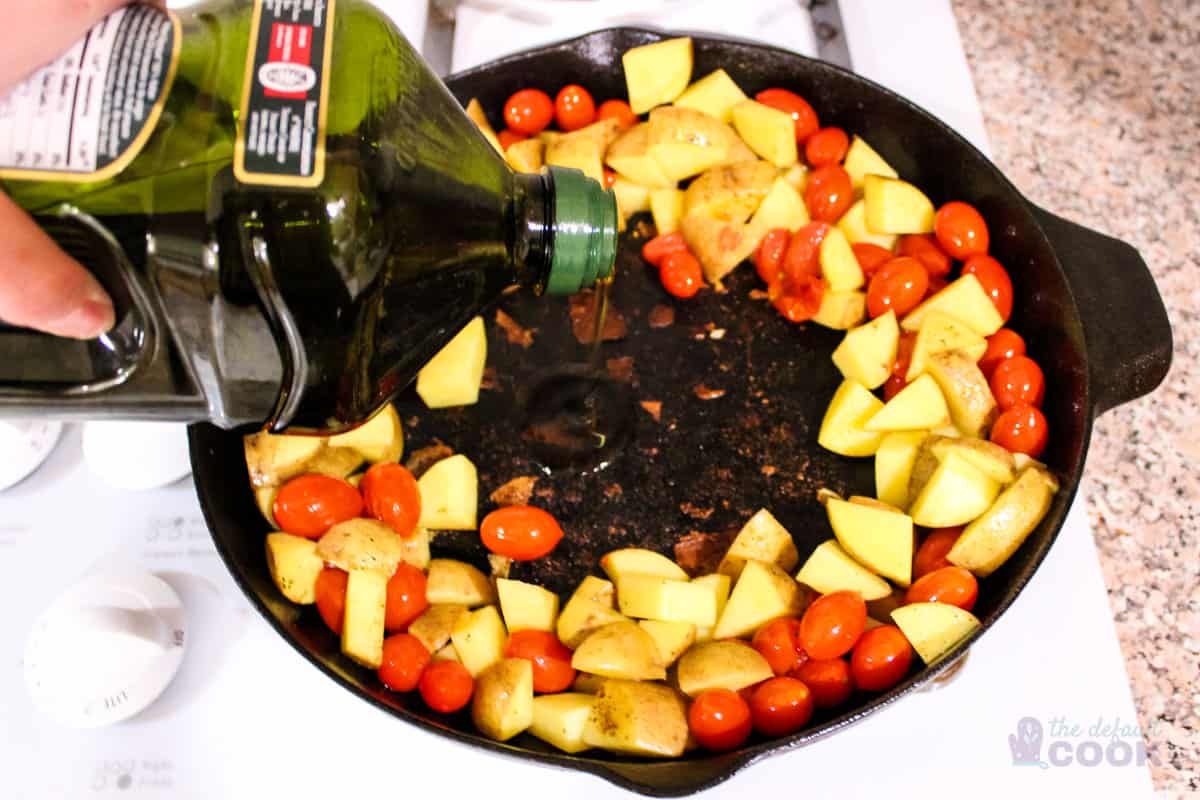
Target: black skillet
(1085,303)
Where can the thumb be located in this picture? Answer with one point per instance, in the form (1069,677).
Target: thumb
(42,287)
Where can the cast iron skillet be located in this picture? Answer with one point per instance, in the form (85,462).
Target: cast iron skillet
(1085,303)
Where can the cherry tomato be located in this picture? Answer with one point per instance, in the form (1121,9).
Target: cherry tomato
(904,351)
(802,257)
(1022,429)
(871,257)
(446,686)
(404,659)
(826,146)
(779,643)
(331,597)
(828,679)
(893,386)
(522,533)
(781,706)
(797,300)
(936,284)
(898,285)
(311,504)
(529,111)
(610,178)
(952,585)
(960,230)
(405,598)
(719,719)
(1004,343)
(881,659)
(829,193)
(618,110)
(1018,381)
(681,275)
(391,495)
(552,670)
(924,248)
(931,555)
(509,137)
(662,246)
(803,115)
(832,624)
(995,281)
(768,258)
(574,108)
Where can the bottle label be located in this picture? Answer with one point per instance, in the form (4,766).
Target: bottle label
(86,115)
(285,95)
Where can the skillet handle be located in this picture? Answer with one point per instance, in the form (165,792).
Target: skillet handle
(672,778)
(1125,323)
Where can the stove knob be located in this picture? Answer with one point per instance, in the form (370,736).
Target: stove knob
(105,649)
(25,445)
(137,455)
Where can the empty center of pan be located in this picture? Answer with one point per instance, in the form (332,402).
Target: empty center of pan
(576,417)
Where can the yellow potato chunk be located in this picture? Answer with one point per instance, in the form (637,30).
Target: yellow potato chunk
(854,224)
(762,538)
(880,539)
(715,94)
(630,157)
(719,585)
(526,605)
(768,131)
(940,333)
(763,592)
(934,629)
(559,719)
(479,638)
(896,206)
(618,564)
(436,623)
(637,718)
(527,155)
(894,462)
(670,638)
(619,650)
(868,351)
(838,263)
(657,73)
(379,439)
(721,665)
(652,597)
(831,569)
(972,406)
(502,705)
(955,494)
(843,429)
(362,625)
(918,406)
(666,206)
(449,495)
(988,542)
(452,377)
(459,583)
(963,299)
(294,566)
(862,160)
(841,310)
(783,207)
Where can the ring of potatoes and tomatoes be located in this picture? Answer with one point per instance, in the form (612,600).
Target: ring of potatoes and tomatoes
(650,661)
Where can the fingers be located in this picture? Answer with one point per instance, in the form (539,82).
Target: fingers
(40,31)
(42,287)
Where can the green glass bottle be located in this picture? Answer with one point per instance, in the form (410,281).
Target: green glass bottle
(325,178)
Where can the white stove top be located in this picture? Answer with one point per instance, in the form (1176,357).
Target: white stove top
(246,717)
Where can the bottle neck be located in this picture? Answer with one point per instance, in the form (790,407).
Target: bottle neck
(532,249)
(566,227)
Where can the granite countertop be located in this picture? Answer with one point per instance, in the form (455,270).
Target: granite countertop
(1093,112)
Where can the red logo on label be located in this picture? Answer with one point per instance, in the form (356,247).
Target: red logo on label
(288,73)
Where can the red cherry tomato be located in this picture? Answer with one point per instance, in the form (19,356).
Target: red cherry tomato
(1018,381)
(1004,343)
(1022,429)
(832,624)
(779,643)
(829,193)
(802,257)
(552,670)
(893,386)
(405,598)
(719,719)
(331,597)
(681,275)
(404,659)
(509,137)
(781,706)
(618,110)
(828,679)
(610,178)
(522,533)
(960,230)
(574,108)
(904,351)
(924,248)
(881,659)
(446,686)
(936,284)
(391,496)
(899,285)
(871,257)
(311,504)
(768,258)
(952,585)
(826,146)
(797,300)
(529,111)
(931,555)
(663,245)
(803,115)
(995,281)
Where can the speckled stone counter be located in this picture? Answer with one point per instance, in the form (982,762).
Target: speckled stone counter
(1093,110)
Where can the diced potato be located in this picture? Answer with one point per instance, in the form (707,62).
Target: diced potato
(924,465)
(603,132)
(527,605)
(294,566)
(597,589)
(631,198)
(769,132)
(896,206)
(619,650)
(273,459)
(447,653)
(559,719)
(941,333)
(843,428)
(452,377)
(721,665)
(1023,462)
(527,155)
(584,155)
(862,160)
(589,608)
(719,585)
(449,495)
(638,718)
(838,263)
(379,439)
(475,112)
(989,458)
(841,310)
(894,465)
(670,638)
(963,299)
(762,538)
(934,629)
(264,498)
(854,224)
(368,544)
(738,151)
(479,638)
(831,569)
(666,206)
(336,462)
(988,542)
(719,245)
(686,142)
(627,561)
(657,73)
(969,397)
(652,597)
(955,494)
(783,207)
(715,94)
(502,705)
(630,157)
(450,581)
(434,626)
(763,592)
(867,353)
(879,539)
(918,406)
(587,684)
(362,625)
(730,192)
